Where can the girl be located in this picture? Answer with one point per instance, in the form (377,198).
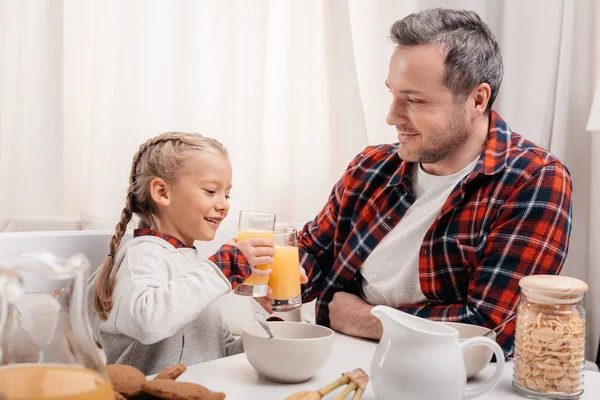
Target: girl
(153,298)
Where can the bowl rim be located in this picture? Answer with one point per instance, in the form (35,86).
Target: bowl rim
(451,323)
(330,332)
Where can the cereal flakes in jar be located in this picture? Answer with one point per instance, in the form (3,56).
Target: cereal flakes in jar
(549,358)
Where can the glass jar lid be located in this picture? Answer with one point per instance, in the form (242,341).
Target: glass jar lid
(553,289)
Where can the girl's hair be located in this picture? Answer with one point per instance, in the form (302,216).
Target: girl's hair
(163,156)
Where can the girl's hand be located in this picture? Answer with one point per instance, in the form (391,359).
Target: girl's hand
(257,252)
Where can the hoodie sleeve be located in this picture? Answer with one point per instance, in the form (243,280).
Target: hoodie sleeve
(151,306)
(232,345)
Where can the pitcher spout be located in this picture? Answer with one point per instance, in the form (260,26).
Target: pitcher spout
(390,317)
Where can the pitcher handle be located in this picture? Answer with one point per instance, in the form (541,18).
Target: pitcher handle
(491,384)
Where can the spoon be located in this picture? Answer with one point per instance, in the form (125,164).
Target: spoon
(263,322)
(496,329)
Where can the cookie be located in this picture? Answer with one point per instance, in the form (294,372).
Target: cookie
(216,396)
(169,389)
(144,396)
(126,379)
(173,372)
(119,396)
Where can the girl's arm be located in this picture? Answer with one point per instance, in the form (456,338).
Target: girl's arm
(150,306)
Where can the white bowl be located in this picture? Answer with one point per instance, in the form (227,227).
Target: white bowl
(296,353)
(478,357)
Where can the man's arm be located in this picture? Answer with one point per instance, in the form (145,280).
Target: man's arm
(351,315)
(530,236)
(316,241)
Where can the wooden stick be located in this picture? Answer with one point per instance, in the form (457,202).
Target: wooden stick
(358,394)
(350,388)
(334,385)
(296,396)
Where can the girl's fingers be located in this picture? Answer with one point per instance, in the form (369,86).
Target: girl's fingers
(261,272)
(257,242)
(266,260)
(263,251)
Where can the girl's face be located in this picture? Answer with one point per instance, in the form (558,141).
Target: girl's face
(199,200)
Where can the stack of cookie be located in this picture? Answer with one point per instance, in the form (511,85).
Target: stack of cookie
(130,383)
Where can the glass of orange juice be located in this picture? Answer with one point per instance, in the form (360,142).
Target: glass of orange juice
(284,280)
(255,225)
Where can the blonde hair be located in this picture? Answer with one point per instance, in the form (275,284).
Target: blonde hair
(163,156)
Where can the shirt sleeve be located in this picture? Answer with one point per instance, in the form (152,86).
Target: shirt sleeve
(232,263)
(232,344)
(316,244)
(316,241)
(150,306)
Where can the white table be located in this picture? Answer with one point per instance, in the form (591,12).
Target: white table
(239,381)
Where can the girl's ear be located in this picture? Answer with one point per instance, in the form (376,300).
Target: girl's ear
(160,192)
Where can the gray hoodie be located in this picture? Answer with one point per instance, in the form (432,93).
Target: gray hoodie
(164,309)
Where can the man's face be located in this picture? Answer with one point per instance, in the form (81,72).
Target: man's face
(430,120)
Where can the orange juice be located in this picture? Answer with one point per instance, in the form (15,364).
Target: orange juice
(52,382)
(244,234)
(285,277)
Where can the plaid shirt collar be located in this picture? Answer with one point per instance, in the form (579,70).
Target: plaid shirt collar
(173,241)
(493,159)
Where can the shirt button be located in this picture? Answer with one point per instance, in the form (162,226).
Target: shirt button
(358,253)
(389,218)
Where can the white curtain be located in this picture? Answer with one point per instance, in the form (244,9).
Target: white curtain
(294,89)
(85,82)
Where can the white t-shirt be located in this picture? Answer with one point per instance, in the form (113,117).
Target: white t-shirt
(391,272)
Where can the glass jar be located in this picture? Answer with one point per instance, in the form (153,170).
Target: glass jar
(549,358)
(46,345)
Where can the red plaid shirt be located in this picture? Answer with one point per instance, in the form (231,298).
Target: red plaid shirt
(509,218)
(149,232)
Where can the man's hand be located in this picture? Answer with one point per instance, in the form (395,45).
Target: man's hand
(303,277)
(351,315)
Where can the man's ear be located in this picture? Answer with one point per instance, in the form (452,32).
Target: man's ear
(480,98)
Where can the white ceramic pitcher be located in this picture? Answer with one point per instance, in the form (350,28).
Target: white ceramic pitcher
(419,359)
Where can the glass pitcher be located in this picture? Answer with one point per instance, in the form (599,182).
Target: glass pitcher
(46,345)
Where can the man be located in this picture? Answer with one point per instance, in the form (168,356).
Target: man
(444,223)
